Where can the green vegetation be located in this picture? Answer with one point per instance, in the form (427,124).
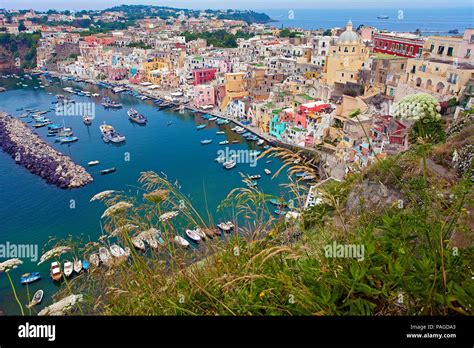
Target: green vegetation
(23,46)
(413,221)
(218,38)
(139,44)
(288,33)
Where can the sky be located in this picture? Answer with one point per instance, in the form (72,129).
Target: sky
(236,4)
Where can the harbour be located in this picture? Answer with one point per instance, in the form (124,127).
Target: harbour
(169,143)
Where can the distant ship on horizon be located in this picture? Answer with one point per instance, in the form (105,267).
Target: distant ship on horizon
(383,17)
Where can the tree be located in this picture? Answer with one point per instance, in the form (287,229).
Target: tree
(327,32)
(21,26)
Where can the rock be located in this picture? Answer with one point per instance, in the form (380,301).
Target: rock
(30,151)
(371,195)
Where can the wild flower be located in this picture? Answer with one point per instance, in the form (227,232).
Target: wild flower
(157,196)
(417,106)
(9,264)
(169,215)
(125,228)
(101,195)
(55,252)
(117,208)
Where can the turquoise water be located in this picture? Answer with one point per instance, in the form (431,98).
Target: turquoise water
(31,211)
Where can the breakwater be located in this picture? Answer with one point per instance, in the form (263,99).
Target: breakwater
(30,151)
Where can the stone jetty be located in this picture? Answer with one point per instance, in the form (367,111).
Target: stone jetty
(30,151)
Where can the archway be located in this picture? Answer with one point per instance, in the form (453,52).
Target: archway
(439,87)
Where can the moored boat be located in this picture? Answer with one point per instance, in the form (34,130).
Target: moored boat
(267,171)
(55,271)
(110,135)
(229,164)
(201,126)
(181,241)
(94,259)
(77,266)
(68,267)
(93,163)
(87,120)
(136,117)
(193,236)
(206,141)
(104,255)
(108,171)
(138,243)
(28,278)
(117,251)
(37,298)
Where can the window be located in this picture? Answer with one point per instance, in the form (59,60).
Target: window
(440,50)
(450,51)
(411,49)
(402,67)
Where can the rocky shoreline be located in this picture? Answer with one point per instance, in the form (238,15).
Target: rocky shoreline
(30,151)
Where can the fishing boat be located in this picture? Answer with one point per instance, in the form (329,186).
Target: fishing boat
(201,126)
(93,163)
(308,177)
(222,122)
(77,266)
(213,118)
(109,103)
(224,227)
(104,255)
(64,133)
(267,171)
(55,271)
(225,142)
(136,117)
(206,141)
(278,202)
(41,124)
(68,267)
(138,243)
(255,177)
(110,135)
(37,298)
(280,212)
(235,142)
(200,233)
(229,164)
(220,133)
(87,120)
(94,259)
(85,265)
(260,142)
(117,251)
(68,139)
(181,241)
(28,278)
(108,171)
(193,236)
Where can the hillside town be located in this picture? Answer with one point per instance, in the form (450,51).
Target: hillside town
(328,91)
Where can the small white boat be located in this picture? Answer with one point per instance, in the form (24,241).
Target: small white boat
(117,251)
(138,243)
(94,259)
(68,267)
(181,241)
(193,236)
(260,142)
(230,224)
(225,142)
(104,255)
(93,163)
(77,266)
(229,164)
(224,227)
(200,233)
(37,298)
(267,171)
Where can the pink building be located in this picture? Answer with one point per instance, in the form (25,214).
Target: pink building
(204,96)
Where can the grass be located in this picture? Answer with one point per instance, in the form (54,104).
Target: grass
(271,267)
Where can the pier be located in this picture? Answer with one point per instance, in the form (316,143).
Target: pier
(31,152)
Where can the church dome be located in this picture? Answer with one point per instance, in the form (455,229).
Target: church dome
(349,36)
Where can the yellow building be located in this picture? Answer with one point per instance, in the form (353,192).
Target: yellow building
(439,76)
(235,88)
(155,69)
(345,58)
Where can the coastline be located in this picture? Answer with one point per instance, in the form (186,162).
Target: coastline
(37,156)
